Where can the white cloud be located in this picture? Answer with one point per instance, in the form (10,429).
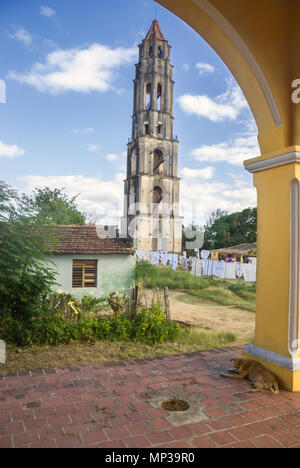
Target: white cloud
(198,200)
(93,147)
(104,199)
(233,96)
(80,69)
(49,43)
(47,11)
(185,67)
(122,169)
(226,106)
(238,179)
(204,68)
(112,157)
(200,174)
(233,151)
(10,151)
(204,106)
(22,35)
(85,130)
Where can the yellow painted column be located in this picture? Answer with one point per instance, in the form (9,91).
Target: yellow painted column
(276,345)
(259,42)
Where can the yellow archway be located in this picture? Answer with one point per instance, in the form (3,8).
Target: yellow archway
(258,42)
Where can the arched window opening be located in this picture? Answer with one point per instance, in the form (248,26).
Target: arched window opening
(157,195)
(158,163)
(133,163)
(146,128)
(150,52)
(159,96)
(159,128)
(160,52)
(148,96)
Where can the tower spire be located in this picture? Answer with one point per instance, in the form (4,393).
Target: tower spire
(155,32)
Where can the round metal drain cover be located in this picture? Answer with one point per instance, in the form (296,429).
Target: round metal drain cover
(175,405)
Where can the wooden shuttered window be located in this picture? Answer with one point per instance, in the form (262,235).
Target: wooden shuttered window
(84,274)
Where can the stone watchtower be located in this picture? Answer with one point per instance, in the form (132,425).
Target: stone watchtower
(151,208)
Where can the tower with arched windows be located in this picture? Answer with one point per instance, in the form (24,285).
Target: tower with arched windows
(151,211)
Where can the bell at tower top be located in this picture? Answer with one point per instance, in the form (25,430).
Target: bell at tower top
(154,44)
(155,32)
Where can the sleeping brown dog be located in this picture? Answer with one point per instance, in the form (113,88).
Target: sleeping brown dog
(259,376)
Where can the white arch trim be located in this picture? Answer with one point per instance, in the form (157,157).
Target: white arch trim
(293,336)
(238,42)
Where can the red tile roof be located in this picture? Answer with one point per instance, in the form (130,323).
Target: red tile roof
(238,248)
(155,32)
(84,239)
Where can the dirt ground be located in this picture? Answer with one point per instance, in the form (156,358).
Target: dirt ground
(188,309)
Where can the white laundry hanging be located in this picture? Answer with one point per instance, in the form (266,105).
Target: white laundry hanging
(152,258)
(229,270)
(163,258)
(169,259)
(203,264)
(147,255)
(155,256)
(209,267)
(238,270)
(193,270)
(198,267)
(249,272)
(174,261)
(184,264)
(214,268)
(139,254)
(205,254)
(219,269)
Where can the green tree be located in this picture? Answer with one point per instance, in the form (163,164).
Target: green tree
(54,207)
(25,278)
(225,230)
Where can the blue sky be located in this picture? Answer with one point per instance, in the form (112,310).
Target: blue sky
(69,67)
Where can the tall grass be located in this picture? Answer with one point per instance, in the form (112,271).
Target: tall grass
(162,277)
(223,292)
(207,339)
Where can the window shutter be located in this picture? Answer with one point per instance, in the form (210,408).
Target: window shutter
(84,274)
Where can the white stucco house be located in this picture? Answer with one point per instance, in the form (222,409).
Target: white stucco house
(88,264)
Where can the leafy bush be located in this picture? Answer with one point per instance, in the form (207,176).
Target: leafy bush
(25,278)
(117,302)
(151,327)
(120,328)
(89,303)
(51,328)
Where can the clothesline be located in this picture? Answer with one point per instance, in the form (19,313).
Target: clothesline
(201,266)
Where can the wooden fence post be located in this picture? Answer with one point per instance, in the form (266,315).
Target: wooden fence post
(136,293)
(167,304)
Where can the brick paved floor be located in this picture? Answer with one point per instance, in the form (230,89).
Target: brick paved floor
(117,405)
